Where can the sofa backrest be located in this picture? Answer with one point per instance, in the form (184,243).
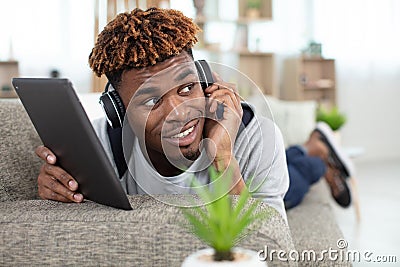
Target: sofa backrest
(295,119)
(19,165)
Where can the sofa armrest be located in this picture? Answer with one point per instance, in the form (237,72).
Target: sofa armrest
(19,166)
(39,232)
(314,228)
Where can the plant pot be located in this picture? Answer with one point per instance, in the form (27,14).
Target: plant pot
(243,258)
(253,13)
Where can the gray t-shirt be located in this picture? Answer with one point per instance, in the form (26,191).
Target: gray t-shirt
(259,150)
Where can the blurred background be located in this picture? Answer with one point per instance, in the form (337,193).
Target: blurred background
(342,54)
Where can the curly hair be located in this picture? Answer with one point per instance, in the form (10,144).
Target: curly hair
(141,38)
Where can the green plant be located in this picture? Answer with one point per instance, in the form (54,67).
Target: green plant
(332,117)
(220,222)
(256,4)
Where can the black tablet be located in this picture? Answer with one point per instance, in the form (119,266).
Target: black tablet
(64,127)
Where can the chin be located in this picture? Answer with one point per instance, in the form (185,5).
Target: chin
(191,154)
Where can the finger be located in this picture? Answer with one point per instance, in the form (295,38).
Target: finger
(61,175)
(218,101)
(233,94)
(223,89)
(212,88)
(230,86)
(45,193)
(51,188)
(45,154)
(220,95)
(221,106)
(236,97)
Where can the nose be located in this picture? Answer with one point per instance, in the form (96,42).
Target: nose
(176,110)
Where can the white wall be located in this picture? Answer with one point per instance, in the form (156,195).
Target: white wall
(363,36)
(49,34)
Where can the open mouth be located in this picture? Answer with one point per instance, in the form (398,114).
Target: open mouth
(184,133)
(186,136)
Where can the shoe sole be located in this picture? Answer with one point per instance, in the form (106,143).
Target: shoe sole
(337,153)
(344,199)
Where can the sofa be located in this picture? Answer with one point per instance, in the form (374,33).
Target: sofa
(40,232)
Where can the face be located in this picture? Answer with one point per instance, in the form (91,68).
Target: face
(166,109)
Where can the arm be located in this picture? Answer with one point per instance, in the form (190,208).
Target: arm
(53,182)
(222,131)
(266,162)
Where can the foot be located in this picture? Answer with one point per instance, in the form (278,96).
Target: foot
(336,158)
(338,186)
(316,148)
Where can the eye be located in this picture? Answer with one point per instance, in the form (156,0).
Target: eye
(186,89)
(152,101)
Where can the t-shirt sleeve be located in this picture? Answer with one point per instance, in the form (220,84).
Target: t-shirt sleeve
(267,166)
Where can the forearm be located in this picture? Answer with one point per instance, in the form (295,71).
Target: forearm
(230,165)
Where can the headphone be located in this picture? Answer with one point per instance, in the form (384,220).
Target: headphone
(113,106)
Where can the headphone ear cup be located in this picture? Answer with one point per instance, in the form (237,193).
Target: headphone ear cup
(205,73)
(114,108)
(200,72)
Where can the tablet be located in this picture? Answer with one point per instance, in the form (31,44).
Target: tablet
(64,127)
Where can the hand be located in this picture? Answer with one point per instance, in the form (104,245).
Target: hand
(222,131)
(53,182)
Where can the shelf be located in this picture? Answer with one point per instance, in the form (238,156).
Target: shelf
(7,63)
(242,52)
(310,78)
(317,59)
(258,67)
(254,54)
(265,9)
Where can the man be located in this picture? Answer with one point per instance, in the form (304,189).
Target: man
(147,58)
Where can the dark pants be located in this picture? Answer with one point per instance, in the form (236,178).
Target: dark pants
(304,170)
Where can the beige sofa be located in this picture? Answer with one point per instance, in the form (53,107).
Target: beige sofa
(38,232)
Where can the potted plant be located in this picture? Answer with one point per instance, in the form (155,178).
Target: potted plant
(221,223)
(253,8)
(334,118)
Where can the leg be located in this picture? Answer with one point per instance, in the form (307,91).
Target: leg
(304,170)
(320,156)
(339,166)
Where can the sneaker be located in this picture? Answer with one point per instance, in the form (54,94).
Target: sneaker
(337,158)
(339,188)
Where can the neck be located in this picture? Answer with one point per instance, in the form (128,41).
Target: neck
(160,162)
(163,166)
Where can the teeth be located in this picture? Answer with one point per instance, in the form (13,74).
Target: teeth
(183,134)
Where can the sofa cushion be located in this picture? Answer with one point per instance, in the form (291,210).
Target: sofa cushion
(295,119)
(40,232)
(313,226)
(19,165)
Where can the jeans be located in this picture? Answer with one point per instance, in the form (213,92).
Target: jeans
(304,170)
